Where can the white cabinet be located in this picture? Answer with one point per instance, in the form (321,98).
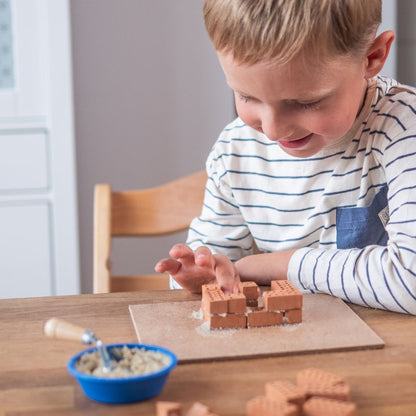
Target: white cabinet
(38,220)
(26,268)
(24,163)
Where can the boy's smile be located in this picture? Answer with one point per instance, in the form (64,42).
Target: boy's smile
(297,143)
(302,107)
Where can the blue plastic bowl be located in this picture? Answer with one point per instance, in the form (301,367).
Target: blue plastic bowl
(123,390)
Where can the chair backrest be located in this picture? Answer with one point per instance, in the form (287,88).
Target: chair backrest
(162,210)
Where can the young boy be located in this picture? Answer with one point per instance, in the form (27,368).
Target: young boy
(318,170)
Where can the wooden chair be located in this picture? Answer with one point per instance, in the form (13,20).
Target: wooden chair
(156,211)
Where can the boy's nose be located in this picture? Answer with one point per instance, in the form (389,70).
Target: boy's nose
(276,127)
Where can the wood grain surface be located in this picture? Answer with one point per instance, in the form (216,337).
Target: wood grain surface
(34,380)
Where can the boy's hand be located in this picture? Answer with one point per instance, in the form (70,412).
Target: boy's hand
(193,269)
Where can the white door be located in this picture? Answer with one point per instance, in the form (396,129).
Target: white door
(38,220)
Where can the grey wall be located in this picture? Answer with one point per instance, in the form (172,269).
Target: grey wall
(406,41)
(150,99)
(389,22)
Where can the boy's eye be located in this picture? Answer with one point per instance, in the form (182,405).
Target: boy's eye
(243,97)
(307,106)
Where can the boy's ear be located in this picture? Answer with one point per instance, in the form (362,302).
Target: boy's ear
(378,53)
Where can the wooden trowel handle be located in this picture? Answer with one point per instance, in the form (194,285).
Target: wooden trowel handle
(58,328)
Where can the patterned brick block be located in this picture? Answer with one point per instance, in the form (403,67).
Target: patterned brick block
(284,390)
(208,287)
(258,318)
(317,376)
(293,316)
(338,392)
(215,302)
(262,406)
(250,290)
(236,303)
(168,409)
(227,321)
(205,314)
(282,296)
(251,303)
(317,406)
(320,383)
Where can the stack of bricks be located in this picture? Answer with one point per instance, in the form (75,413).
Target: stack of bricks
(316,393)
(248,308)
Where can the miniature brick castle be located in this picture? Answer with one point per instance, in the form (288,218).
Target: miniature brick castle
(249,308)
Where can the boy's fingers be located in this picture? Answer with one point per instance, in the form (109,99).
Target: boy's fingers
(204,257)
(181,251)
(226,273)
(170,266)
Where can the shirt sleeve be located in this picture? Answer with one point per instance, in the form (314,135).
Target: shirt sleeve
(374,276)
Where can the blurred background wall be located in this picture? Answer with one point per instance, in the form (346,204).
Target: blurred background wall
(150,99)
(406,40)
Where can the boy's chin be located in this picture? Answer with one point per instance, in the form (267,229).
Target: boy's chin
(300,153)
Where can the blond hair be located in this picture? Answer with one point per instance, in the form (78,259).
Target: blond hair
(278,30)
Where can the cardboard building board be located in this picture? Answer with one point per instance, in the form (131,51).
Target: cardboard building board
(328,325)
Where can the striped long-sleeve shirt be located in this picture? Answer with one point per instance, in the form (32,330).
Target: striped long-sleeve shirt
(350,210)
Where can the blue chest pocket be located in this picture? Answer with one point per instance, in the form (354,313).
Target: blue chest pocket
(358,227)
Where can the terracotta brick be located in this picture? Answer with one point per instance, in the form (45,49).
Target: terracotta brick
(209,286)
(293,316)
(236,303)
(338,392)
(320,383)
(263,318)
(262,406)
(205,314)
(250,290)
(228,321)
(283,296)
(215,302)
(317,406)
(168,409)
(252,303)
(286,391)
(317,376)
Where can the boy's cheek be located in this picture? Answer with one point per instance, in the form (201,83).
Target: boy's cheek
(241,108)
(249,118)
(329,123)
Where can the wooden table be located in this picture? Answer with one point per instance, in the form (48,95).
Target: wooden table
(34,379)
